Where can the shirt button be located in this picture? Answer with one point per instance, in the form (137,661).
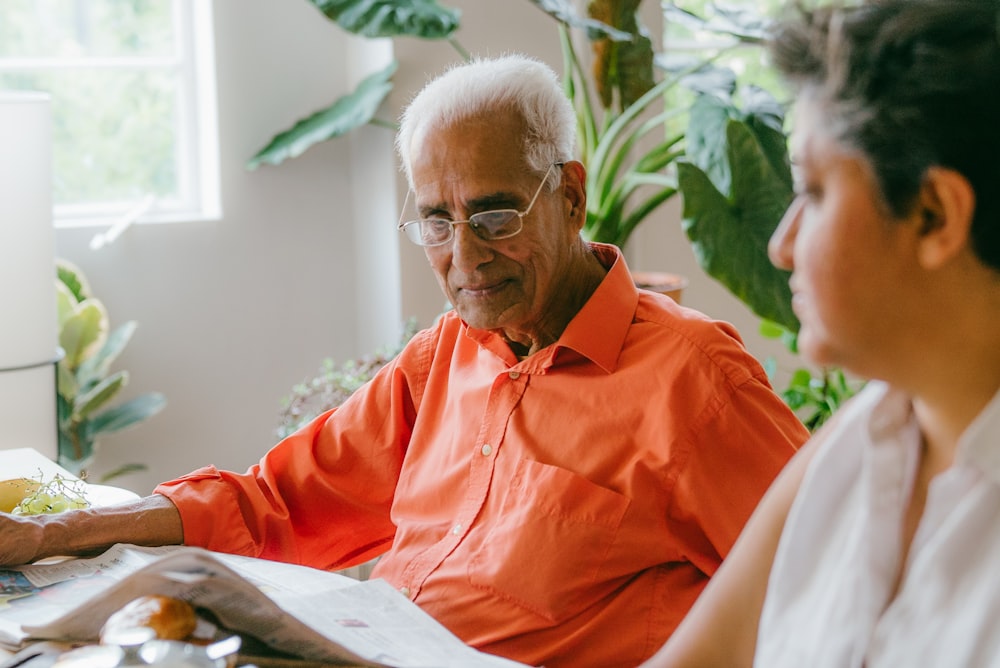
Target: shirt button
(487,450)
(405,591)
(514,375)
(457,529)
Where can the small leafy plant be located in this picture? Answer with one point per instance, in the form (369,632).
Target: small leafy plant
(814,396)
(85,382)
(334,384)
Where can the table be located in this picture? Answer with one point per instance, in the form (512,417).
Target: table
(28,463)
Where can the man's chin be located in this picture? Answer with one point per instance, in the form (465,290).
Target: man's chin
(477,319)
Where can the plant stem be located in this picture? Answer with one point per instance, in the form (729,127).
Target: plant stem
(378,122)
(460,49)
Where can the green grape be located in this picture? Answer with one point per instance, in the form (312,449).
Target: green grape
(58,495)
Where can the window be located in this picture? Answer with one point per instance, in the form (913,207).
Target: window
(133,103)
(689,37)
(696,31)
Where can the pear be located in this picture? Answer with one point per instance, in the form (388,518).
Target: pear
(12,491)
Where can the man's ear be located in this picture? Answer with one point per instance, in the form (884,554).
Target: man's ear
(946,204)
(574,177)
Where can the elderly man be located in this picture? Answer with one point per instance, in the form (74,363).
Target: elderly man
(555,468)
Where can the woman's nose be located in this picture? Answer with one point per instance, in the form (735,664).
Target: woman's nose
(779,248)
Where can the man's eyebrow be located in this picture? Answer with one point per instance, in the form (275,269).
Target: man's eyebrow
(494,200)
(497,200)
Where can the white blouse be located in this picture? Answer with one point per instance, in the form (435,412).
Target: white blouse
(839,554)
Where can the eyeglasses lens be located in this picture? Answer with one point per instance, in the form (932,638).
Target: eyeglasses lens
(495,224)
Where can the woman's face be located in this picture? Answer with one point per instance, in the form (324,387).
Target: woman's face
(850,258)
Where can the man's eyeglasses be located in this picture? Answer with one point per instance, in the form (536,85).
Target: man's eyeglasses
(487,225)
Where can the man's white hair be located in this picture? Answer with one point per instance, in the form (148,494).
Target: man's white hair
(484,86)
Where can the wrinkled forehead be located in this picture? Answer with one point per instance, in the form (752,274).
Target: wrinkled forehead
(471,146)
(493,137)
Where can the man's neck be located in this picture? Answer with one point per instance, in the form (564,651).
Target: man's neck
(580,285)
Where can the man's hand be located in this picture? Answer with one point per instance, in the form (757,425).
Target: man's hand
(151,521)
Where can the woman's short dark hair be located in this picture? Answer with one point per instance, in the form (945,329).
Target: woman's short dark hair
(911,84)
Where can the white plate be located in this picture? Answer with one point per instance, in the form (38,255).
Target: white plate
(105,495)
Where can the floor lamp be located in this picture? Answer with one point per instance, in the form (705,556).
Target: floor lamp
(28,333)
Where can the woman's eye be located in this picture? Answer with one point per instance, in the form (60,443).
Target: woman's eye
(811,190)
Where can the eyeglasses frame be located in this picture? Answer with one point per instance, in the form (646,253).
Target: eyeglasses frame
(520,214)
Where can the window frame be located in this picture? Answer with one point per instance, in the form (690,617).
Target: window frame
(197,137)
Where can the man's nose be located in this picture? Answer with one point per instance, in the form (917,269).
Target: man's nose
(468,251)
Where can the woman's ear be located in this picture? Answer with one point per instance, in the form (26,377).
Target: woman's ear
(946,204)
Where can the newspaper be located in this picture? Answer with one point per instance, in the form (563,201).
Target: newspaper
(309,613)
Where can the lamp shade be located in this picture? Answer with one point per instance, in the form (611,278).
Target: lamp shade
(29,336)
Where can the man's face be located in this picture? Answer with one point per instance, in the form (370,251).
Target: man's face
(511,284)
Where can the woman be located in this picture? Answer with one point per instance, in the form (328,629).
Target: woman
(879,545)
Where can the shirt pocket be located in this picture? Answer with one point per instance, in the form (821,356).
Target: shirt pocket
(546,549)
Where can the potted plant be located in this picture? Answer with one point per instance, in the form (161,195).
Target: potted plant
(729,163)
(736,183)
(85,383)
(334,384)
(423,19)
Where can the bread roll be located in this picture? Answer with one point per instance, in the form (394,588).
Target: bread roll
(169,618)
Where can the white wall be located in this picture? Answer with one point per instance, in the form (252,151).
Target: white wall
(232,313)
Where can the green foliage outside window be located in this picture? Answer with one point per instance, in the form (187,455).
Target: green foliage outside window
(114,123)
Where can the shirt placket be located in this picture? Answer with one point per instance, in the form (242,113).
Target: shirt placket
(505,393)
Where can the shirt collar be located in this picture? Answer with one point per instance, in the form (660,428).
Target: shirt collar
(598,331)
(977,446)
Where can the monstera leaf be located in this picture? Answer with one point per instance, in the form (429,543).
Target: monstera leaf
(565,13)
(385,18)
(346,114)
(736,184)
(368,18)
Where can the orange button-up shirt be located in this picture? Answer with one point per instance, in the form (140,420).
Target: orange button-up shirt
(565,509)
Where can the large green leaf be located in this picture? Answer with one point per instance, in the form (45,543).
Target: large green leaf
(66,386)
(705,143)
(71,277)
(128,413)
(729,234)
(73,447)
(97,396)
(564,12)
(390,18)
(346,114)
(66,301)
(746,25)
(98,365)
(83,331)
(765,116)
